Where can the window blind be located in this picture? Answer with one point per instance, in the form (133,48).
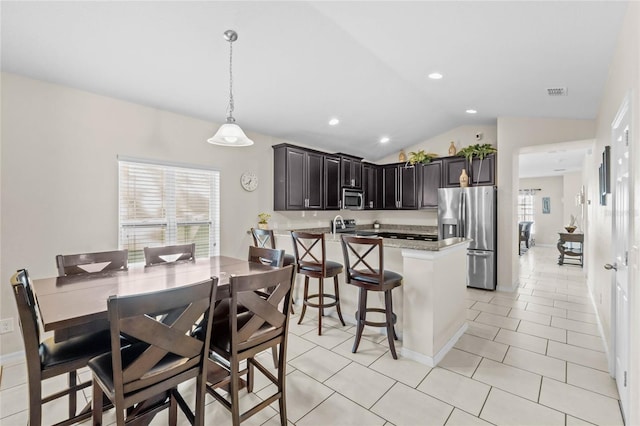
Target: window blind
(163,204)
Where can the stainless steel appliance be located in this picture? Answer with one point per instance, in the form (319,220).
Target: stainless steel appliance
(471,213)
(352,199)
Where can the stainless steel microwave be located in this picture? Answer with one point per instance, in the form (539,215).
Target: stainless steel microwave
(352,199)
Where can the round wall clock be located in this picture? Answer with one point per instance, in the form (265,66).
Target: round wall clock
(249,181)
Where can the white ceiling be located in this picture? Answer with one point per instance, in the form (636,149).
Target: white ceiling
(297,64)
(554,159)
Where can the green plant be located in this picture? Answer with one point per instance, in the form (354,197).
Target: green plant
(264,217)
(477,150)
(420,157)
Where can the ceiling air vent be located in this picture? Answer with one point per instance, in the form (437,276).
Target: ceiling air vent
(557,91)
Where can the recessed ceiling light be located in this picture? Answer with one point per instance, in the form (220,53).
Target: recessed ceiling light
(471,111)
(384,139)
(435,76)
(334,122)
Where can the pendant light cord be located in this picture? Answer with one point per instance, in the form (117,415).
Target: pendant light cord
(230,109)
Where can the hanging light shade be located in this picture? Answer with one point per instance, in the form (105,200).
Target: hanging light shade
(230,134)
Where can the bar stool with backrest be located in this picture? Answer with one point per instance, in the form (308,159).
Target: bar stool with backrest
(310,253)
(169,254)
(84,263)
(255,323)
(48,359)
(364,268)
(164,354)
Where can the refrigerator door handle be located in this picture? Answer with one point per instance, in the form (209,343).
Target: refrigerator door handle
(477,254)
(462,232)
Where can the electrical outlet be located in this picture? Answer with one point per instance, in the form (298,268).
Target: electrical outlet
(6,325)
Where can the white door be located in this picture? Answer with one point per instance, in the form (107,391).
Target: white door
(620,191)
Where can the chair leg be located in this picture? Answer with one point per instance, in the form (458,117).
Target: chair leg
(321,304)
(395,335)
(73,379)
(361,316)
(250,374)
(35,400)
(173,409)
(97,404)
(274,354)
(201,383)
(337,293)
(391,332)
(234,393)
(282,402)
(304,298)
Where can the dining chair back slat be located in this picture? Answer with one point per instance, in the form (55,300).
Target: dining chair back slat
(84,263)
(169,254)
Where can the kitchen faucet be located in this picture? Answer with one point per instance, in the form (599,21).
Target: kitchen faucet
(335,220)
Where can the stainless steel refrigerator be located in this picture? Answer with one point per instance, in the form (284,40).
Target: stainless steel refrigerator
(471,213)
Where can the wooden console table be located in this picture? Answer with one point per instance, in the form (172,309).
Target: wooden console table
(575,254)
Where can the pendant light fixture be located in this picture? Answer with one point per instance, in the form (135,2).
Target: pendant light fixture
(230,134)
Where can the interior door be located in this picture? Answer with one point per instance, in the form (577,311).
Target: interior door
(620,178)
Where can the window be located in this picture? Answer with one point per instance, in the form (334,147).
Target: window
(525,207)
(163,204)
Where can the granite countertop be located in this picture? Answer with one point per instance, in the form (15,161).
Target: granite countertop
(391,242)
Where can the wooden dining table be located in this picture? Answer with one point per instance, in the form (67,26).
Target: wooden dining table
(79,302)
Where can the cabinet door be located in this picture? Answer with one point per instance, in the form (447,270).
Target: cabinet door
(484,173)
(345,171)
(314,180)
(370,186)
(452,168)
(356,174)
(390,187)
(296,181)
(431,176)
(408,187)
(332,199)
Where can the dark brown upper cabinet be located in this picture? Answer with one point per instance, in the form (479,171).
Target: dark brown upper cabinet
(372,186)
(332,191)
(400,187)
(451,170)
(350,171)
(484,172)
(430,179)
(298,178)
(478,176)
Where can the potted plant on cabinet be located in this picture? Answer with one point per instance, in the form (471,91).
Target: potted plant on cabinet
(420,157)
(478,150)
(264,219)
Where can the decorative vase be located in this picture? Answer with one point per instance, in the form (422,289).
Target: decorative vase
(402,157)
(452,149)
(464,179)
(263,226)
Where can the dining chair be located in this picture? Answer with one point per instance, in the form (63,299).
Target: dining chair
(46,359)
(364,268)
(165,354)
(311,261)
(265,238)
(169,254)
(84,263)
(264,256)
(257,321)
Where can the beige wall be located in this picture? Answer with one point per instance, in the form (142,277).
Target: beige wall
(547,226)
(571,184)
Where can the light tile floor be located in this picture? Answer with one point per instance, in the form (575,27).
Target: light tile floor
(533,357)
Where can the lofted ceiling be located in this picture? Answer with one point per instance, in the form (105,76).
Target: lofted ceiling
(298,64)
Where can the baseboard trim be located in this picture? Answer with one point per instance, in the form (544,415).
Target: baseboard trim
(433,361)
(607,353)
(12,358)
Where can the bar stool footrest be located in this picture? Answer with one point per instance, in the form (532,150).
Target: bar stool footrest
(324,305)
(394,317)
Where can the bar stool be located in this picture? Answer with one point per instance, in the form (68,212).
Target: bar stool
(361,271)
(312,263)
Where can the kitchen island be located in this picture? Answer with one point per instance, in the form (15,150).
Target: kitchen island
(430,304)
